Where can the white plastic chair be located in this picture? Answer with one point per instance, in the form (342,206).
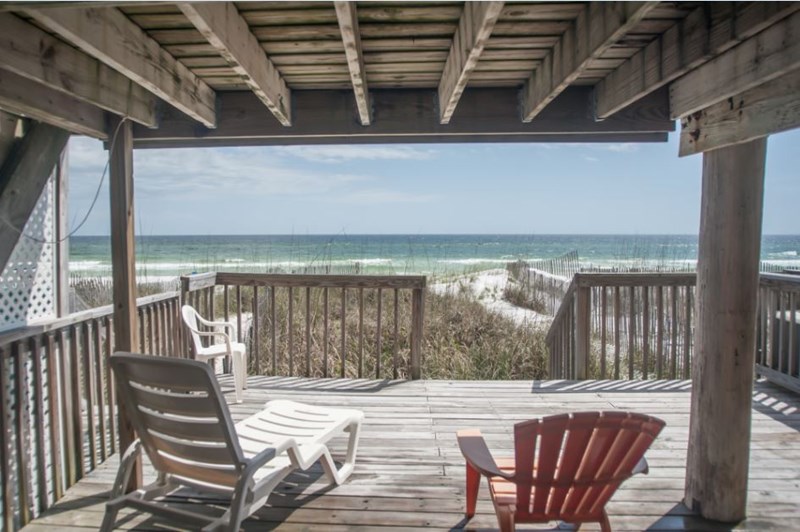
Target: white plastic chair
(235,350)
(185,427)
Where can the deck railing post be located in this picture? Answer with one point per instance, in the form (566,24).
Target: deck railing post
(417,330)
(582,333)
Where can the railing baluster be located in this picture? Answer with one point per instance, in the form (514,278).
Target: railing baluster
(55,416)
(111,385)
(631,331)
(344,332)
(687,334)
(6,450)
(792,348)
(617,333)
(238,313)
(66,406)
(23,450)
(38,394)
(645,331)
(378,340)
(782,332)
(76,413)
(290,331)
(273,318)
(673,371)
(254,334)
(603,327)
(660,332)
(308,331)
(396,339)
(88,382)
(101,403)
(360,333)
(325,332)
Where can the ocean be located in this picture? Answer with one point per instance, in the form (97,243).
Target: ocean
(159,258)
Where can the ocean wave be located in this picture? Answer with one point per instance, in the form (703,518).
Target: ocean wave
(784,254)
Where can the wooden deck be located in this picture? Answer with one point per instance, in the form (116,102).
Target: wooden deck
(409,473)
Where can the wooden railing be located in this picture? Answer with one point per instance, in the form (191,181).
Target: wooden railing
(319,325)
(778,328)
(57,405)
(617,326)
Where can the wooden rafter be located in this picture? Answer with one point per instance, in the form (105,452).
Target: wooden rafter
(596,29)
(226,30)
(761,58)
(348,25)
(769,108)
(36,55)
(28,98)
(109,36)
(689,43)
(474,28)
(23,176)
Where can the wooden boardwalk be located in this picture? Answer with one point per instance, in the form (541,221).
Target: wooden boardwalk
(410,474)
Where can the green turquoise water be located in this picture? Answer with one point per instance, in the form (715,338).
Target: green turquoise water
(161,257)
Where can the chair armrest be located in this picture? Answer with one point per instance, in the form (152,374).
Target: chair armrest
(475,451)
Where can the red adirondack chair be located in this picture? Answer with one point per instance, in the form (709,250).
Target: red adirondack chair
(565,467)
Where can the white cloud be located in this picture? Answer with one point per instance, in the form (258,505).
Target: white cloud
(383,196)
(591,159)
(339,154)
(621,147)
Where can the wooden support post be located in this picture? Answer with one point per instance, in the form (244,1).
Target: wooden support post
(123,260)
(61,233)
(582,332)
(722,369)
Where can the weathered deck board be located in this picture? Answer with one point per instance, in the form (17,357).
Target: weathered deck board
(410,473)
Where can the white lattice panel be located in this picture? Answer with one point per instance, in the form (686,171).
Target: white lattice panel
(28,282)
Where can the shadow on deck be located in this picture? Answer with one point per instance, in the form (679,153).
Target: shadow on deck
(410,473)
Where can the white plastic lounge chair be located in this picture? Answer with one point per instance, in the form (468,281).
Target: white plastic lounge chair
(185,428)
(235,350)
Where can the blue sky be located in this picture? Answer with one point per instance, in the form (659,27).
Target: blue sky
(416,189)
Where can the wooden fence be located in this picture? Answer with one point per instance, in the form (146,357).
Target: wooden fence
(641,326)
(57,404)
(310,325)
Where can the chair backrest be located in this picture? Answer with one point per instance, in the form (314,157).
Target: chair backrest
(177,410)
(577,461)
(189,315)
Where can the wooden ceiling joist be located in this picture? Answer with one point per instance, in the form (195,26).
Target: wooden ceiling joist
(597,28)
(474,28)
(348,25)
(109,36)
(706,32)
(226,30)
(761,58)
(411,115)
(36,55)
(769,108)
(31,99)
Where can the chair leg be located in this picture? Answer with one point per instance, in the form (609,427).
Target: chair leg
(238,373)
(505,519)
(605,525)
(339,476)
(473,485)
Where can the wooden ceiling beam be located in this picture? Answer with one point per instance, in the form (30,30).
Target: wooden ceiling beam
(597,28)
(109,36)
(348,25)
(28,98)
(705,32)
(769,108)
(474,28)
(36,55)
(410,115)
(761,58)
(226,30)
